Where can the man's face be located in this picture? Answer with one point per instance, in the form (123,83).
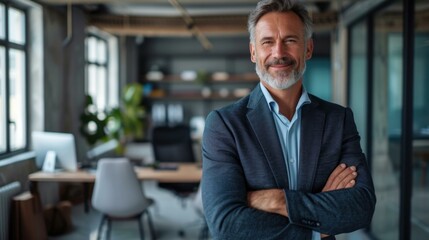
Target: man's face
(280,50)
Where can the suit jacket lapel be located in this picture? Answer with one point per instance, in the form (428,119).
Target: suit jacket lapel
(312,125)
(260,118)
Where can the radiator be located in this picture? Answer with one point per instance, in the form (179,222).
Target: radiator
(6,194)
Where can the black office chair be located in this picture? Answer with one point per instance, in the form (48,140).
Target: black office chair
(174,144)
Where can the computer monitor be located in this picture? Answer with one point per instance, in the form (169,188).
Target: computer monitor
(63,144)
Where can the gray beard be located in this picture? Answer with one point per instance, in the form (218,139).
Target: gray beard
(284,81)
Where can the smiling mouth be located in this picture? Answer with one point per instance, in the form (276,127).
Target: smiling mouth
(281,66)
(281,63)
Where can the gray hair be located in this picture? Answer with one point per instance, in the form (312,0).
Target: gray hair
(267,6)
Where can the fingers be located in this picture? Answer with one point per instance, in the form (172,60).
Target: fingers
(344,178)
(341,177)
(350,184)
(334,174)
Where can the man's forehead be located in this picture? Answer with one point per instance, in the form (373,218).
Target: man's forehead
(285,23)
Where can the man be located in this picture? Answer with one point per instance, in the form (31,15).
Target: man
(281,163)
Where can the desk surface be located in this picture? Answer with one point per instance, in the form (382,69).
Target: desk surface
(185,173)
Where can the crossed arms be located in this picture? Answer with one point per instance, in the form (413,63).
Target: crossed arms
(274,201)
(234,211)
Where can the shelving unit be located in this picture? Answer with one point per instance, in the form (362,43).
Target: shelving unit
(229,55)
(172,88)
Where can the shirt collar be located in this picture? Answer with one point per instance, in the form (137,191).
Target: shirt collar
(272,104)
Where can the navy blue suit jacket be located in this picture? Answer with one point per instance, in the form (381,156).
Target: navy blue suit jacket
(242,152)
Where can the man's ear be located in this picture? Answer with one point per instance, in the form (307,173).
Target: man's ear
(309,50)
(252,53)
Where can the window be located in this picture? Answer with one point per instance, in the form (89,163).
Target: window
(13,79)
(101,82)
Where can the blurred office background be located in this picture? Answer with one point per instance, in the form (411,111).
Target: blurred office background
(190,57)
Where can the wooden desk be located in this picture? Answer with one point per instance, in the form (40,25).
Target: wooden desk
(185,173)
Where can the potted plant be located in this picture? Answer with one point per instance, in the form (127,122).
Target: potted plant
(126,122)
(123,123)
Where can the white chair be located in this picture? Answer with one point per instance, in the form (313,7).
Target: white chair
(118,194)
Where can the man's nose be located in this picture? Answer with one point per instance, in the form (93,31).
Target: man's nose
(279,49)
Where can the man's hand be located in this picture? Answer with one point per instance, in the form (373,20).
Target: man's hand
(341,177)
(269,200)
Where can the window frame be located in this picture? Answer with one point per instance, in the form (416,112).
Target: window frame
(8,45)
(104,65)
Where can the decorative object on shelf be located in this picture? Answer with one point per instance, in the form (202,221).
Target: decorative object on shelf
(223,92)
(241,92)
(147,89)
(155,74)
(206,92)
(220,76)
(203,88)
(157,93)
(188,75)
(126,122)
(202,77)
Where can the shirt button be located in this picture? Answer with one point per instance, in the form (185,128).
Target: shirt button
(292,160)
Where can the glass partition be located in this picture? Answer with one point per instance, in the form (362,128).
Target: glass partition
(386,120)
(387,61)
(420,197)
(358,95)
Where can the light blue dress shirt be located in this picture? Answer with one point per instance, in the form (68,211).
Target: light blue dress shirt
(289,135)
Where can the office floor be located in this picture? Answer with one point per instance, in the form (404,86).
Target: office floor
(169,217)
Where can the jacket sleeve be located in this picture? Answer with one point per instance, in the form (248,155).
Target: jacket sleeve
(343,210)
(224,193)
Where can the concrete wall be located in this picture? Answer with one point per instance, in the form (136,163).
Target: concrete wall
(64,72)
(129,60)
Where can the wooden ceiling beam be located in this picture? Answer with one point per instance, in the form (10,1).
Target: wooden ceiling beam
(202,2)
(175,26)
(167,32)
